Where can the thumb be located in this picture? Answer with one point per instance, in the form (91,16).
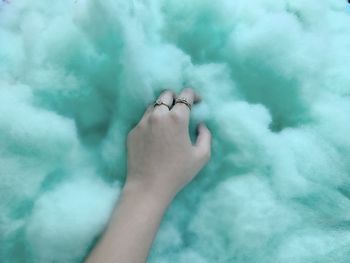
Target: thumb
(203,142)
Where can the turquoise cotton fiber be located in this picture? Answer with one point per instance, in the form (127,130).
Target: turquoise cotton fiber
(76,76)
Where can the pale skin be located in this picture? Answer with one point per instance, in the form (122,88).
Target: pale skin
(161,161)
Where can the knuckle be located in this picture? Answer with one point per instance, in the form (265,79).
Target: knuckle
(155,117)
(175,116)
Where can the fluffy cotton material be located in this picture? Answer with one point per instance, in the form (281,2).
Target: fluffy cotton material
(75,76)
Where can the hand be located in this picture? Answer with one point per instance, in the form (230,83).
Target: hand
(161,160)
(161,157)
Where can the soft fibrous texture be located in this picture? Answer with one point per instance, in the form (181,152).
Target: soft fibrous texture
(75,76)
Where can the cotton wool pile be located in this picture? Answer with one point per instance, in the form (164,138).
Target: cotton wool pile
(76,76)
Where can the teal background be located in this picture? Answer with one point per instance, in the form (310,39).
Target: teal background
(76,76)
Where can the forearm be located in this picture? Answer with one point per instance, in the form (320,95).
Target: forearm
(132,228)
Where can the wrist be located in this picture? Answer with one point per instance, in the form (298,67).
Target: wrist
(148,191)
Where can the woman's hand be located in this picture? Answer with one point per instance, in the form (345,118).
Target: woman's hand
(161,157)
(161,160)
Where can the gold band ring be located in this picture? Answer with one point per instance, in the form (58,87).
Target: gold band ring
(159,102)
(184,101)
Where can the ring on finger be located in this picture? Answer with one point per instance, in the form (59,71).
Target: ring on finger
(184,101)
(158,102)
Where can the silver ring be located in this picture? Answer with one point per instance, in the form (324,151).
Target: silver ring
(184,101)
(159,102)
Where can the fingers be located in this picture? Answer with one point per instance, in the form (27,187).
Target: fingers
(167,97)
(203,142)
(181,108)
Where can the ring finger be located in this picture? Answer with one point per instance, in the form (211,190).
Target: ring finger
(191,97)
